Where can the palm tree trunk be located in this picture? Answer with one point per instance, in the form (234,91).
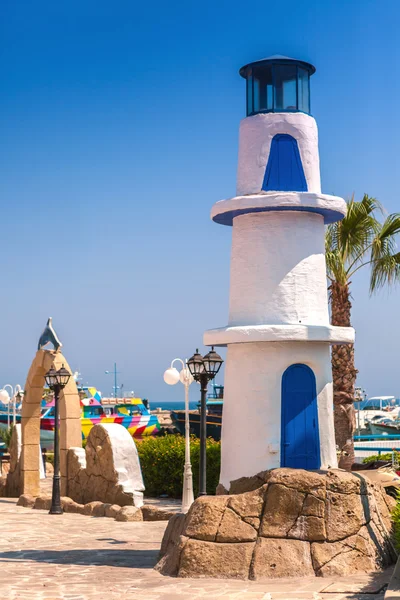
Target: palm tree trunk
(344,377)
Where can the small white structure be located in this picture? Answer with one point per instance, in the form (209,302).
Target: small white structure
(108,469)
(278,402)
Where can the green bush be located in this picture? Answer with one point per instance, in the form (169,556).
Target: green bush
(396,523)
(163,458)
(6,434)
(386,457)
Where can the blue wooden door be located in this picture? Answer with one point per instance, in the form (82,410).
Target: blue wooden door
(300,435)
(284,171)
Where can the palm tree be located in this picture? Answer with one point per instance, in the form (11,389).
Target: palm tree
(359,240)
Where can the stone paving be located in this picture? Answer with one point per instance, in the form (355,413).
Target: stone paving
(74,557)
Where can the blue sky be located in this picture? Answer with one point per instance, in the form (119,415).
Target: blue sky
(119,126)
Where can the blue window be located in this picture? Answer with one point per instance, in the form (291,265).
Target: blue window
(300,448)
(284,171)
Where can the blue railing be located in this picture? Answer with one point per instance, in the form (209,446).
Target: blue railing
(373,437)
(377,449)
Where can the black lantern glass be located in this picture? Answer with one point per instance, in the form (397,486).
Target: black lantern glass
(196,365)
(51,378)
(212,363)
(63,377)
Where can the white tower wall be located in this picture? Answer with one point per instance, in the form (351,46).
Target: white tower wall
(251,425)
(255,138)
(278,272)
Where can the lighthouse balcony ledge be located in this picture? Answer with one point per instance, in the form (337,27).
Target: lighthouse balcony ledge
(332,208)
(239,334)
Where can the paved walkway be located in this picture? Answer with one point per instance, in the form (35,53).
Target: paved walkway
(74,557)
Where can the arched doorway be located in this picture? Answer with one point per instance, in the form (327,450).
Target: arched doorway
(70,420)
(284,171)
(300,447)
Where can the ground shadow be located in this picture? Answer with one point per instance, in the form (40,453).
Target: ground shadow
(360,585)
(136,559)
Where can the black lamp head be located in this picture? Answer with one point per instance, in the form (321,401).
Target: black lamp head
(196,365)
(212,363)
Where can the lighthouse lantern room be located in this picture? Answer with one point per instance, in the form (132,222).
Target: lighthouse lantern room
(278,401)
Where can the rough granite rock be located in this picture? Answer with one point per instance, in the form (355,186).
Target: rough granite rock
(249,504)
(345,482)
(354,555)
(74,507)
(248,484)
(344,514)
(308,482)
(26,500)
(205,559)
(13,485)
(42,502)
(129,513)
(174,530)
(221,490)
(296,523)
(94,509)
(171,546)
(112,510)
(281,558)
(153,513)
(204,517)
(282,508)
(233,529)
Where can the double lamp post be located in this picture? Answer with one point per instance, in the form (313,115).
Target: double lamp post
(201,369)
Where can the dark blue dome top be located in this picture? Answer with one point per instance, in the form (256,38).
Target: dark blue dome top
(277,59)
(278,84)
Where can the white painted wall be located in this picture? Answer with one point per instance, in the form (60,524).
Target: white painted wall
(251,428)
(255,138)
(278,272)
(126,461)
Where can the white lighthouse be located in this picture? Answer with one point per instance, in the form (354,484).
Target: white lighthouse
(278,402)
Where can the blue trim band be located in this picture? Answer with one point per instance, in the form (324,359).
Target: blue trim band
(226,218)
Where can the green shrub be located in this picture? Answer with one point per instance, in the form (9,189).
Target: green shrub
(5,435)
(396,523)
(50,458)
(386,457)
(163,458)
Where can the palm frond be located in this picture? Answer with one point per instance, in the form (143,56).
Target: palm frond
(359,227)
(361,239)
(384,243)
(385,270)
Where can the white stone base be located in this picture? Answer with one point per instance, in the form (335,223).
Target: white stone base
(251,428)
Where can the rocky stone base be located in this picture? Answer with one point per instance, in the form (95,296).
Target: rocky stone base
(293,523)
(99,509)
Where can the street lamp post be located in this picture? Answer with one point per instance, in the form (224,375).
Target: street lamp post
(203,370)
(7,398)
(18,394)
(56,380)
(171,377)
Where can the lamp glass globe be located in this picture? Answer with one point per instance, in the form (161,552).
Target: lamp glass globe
(4,396)
(171,376)
(185,376)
